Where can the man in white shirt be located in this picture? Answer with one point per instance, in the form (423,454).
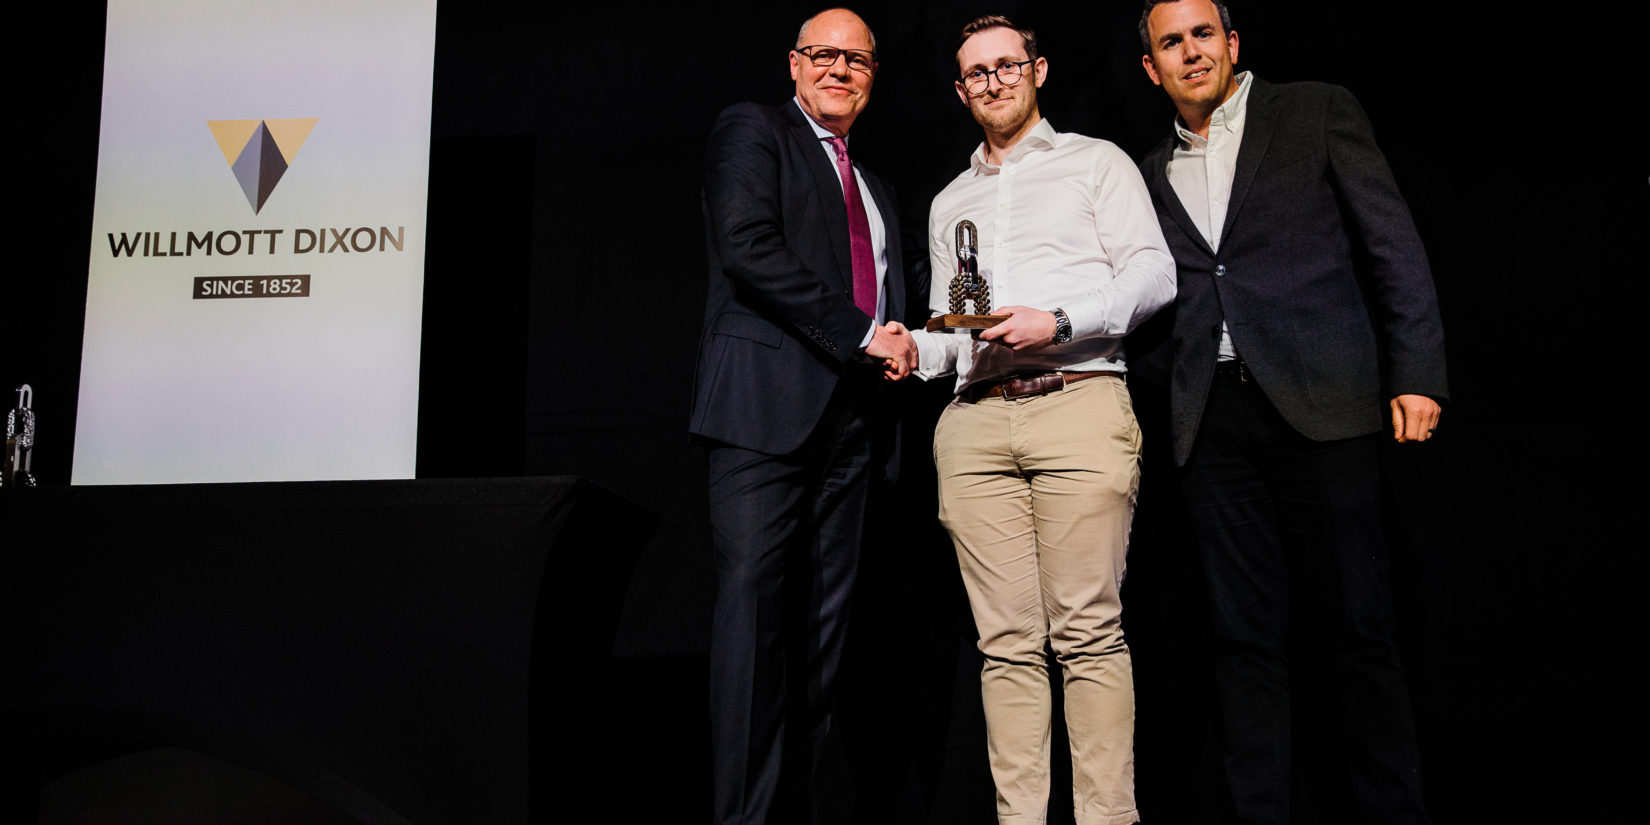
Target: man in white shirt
(1038,454)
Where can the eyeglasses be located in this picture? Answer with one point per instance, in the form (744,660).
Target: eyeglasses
(859,60)
(1007,74)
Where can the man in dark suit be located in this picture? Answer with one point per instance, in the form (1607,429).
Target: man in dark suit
(1305,316)
(802,327)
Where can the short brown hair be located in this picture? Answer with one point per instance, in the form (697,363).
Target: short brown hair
(997,21)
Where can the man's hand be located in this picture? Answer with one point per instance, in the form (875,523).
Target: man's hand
(1026,328)
(893,343)
(1414,417)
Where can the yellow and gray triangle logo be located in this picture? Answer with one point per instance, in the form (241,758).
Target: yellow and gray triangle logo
(259,151)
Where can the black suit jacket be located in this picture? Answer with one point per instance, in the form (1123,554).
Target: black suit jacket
(1320,276)
(781,328)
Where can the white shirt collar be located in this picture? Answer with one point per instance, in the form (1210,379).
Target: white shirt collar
(1040,138)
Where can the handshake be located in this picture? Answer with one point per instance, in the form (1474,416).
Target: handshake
(893,344)
(1023,329)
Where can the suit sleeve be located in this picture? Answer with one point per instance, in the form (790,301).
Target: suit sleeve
(759,252)
(1394,258)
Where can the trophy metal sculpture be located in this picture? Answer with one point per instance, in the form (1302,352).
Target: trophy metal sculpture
(968,287)
(15,469)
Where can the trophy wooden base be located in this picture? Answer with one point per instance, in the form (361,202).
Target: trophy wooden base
(971,324)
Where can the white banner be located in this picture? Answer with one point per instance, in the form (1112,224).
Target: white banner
(257,261)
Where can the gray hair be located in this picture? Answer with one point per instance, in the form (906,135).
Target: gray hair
(804,29)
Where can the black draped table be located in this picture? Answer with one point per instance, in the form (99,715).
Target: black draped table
(352,652)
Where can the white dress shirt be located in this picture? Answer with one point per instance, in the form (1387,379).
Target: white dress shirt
(879,233)
(1065,222)
(1201,171)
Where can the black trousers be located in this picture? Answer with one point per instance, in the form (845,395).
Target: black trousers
(1282,520)
(786,532)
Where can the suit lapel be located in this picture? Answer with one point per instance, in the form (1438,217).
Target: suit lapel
(1259,122)
(828,186)
(1171,199)
(894,285)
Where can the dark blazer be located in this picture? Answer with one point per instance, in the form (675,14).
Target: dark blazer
(1320,276)
(781,327)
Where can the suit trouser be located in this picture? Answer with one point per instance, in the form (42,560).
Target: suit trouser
(1038,494)
(1274,511)
(800,515)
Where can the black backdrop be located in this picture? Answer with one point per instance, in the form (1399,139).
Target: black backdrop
(565,283)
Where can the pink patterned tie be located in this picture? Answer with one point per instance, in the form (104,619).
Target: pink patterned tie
(859,233)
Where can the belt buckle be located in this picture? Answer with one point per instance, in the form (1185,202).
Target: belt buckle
(1010,395)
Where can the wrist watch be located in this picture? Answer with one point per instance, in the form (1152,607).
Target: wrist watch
(1062,327)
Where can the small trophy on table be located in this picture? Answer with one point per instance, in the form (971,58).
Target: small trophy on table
(14,467)
(968,287)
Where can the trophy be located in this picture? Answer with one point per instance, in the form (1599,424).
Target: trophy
(14,472)
(968,287)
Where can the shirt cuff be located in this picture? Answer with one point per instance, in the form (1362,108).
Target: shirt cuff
(933,357)
(1087,317)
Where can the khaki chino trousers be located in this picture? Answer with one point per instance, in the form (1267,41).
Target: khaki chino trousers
(1038,494)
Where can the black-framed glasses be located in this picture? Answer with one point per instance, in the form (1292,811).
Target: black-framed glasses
(859,60)
(1007,74)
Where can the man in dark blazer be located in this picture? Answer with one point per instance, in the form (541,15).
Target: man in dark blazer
(802,329)
(1305,317)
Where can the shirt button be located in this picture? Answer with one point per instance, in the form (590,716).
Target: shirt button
(1220,270)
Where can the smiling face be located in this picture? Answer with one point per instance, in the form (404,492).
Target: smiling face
(1191,57)
(833,95)
(1003,111)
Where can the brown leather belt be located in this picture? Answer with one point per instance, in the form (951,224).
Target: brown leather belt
(1026,385)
